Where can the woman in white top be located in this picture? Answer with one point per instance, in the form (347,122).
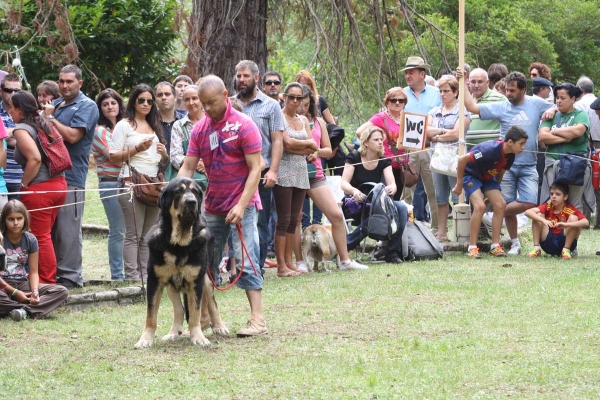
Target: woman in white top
(138,138)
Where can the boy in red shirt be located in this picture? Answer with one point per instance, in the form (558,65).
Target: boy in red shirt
(556,225)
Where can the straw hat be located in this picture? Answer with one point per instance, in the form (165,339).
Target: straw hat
(416,62)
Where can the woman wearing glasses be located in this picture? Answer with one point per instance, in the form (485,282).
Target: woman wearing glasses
(389,121)
(443,128)
(292,178)
(138,138)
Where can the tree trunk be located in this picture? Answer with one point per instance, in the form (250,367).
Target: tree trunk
(224,32)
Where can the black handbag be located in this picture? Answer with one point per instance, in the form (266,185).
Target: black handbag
(571,166)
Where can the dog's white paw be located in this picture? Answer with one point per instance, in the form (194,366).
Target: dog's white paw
(223,331)
(200,340)
(170,336)
(144,342)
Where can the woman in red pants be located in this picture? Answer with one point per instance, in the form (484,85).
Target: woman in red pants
(37,178)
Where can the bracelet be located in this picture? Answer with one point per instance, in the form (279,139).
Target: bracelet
(12,296)
(318,152)
(136,149)
(24,186)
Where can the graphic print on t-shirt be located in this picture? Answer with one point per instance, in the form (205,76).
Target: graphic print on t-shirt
(15,262)
(521,119)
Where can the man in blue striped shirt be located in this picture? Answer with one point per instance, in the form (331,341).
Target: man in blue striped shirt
(266,114)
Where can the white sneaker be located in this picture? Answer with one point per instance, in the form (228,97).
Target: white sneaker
(352,265)
(514,250)
(18,314)
(301,265)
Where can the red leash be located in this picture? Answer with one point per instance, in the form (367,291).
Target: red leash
(239,274)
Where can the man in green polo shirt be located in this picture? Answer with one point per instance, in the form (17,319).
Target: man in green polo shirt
(480,131)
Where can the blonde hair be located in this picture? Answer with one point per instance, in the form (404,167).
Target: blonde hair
(451,81)
(364,138)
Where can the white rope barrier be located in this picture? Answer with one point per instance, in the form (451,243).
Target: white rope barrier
(129,191)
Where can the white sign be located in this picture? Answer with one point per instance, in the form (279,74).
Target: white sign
(412,131)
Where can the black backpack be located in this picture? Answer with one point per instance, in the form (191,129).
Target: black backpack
(380,216)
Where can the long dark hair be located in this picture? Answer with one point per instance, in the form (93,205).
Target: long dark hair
(112,94)
(25,102)
(153,117)
(14,206)
(313,111)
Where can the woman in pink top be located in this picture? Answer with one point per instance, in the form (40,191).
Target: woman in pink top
(389,121)
(319,192)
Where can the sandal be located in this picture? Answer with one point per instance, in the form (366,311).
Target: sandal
(288,274)
(442,237)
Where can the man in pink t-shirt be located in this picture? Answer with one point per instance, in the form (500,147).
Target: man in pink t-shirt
(229,144)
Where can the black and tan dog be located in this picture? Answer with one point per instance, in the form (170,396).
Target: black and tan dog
(181,250)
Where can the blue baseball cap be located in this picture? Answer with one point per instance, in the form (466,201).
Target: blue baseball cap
(539,82)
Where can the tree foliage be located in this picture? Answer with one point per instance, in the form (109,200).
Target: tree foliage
(117,43)
(356,48)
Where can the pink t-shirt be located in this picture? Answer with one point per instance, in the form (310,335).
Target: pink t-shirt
(233,137)
(3,133)
(316,135)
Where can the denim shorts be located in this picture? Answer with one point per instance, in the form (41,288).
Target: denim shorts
(472,184)
(520,183)
(443,188)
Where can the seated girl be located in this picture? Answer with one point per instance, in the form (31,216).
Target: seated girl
(21,294)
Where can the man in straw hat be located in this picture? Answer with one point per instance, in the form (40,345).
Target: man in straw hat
(421,99)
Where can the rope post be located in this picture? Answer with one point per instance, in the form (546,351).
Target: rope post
(461,212)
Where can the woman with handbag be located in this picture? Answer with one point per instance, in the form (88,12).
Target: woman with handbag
(443,132)
(568,132)
(389,122)
(367,165)
(111,108)
(138,144)
(292,178)
(319,191)
(180,136)
(37,177)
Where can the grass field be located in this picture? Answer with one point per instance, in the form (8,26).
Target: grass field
(452,328)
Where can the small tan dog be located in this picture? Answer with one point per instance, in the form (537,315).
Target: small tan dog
(318,247)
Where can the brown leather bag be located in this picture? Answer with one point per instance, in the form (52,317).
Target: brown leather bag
(146,188)
(409,174)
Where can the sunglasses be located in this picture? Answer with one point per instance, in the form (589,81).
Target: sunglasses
(142,101)
(269,83)
(533,75)
(7,90)
(292,97)
(394,101)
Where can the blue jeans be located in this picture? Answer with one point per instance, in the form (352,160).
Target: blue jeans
(116,227)
(220,230)
(266,196)
(317,215)
(420,202)
(394,244)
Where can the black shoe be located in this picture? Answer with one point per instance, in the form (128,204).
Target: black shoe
(67,283)
(598,253)
(393,259)
(379,253)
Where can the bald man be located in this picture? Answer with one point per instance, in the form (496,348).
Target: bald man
(229,143)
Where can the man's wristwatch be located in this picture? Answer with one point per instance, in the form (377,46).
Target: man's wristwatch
(51,116)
